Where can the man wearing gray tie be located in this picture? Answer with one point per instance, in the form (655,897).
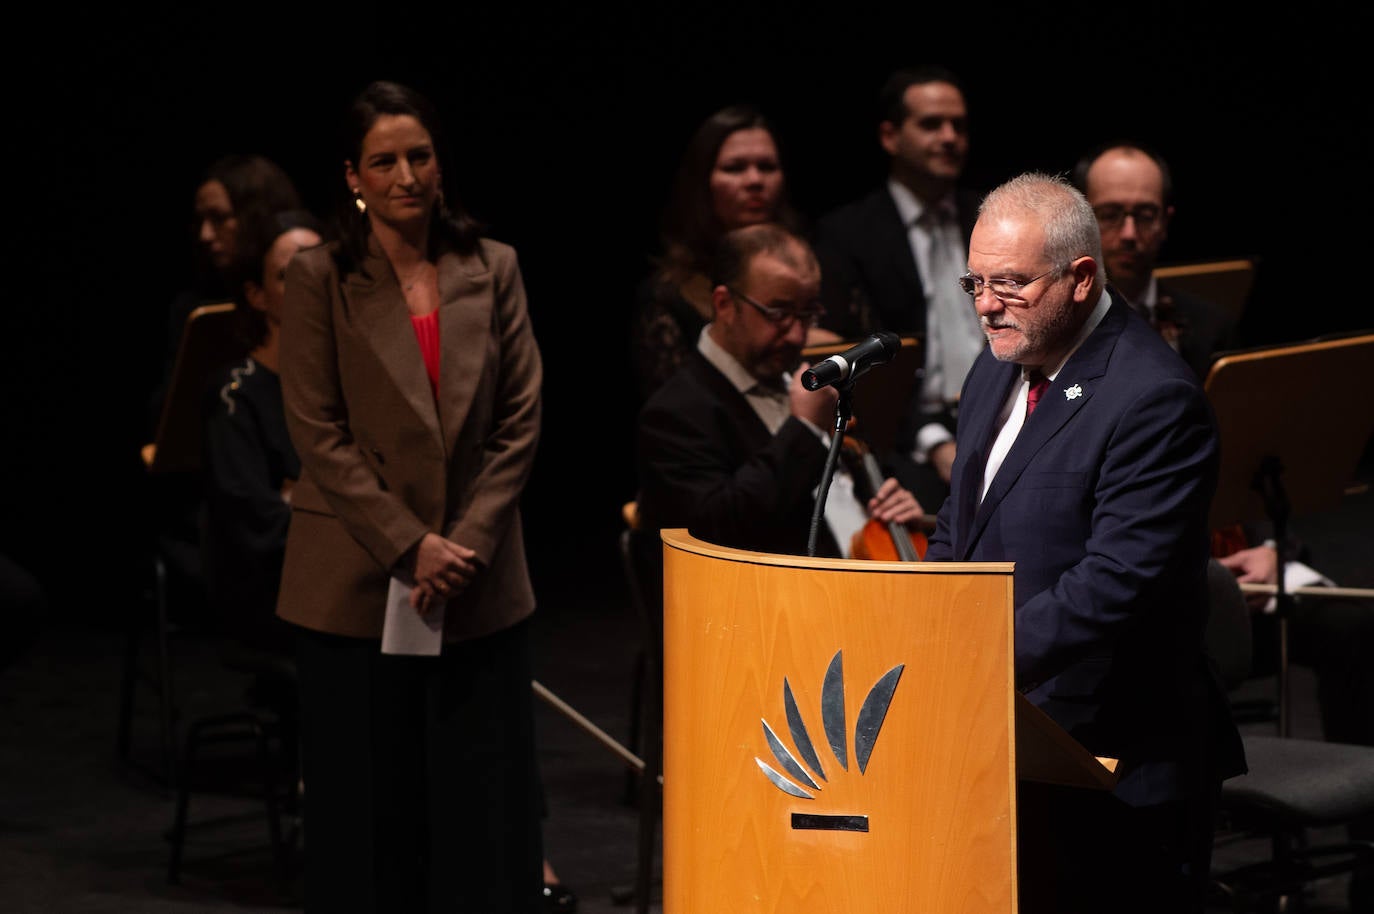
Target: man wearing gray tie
(891,261)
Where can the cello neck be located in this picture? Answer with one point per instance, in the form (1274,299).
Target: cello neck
(906,549)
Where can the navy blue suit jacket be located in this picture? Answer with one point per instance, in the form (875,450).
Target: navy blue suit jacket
(1102,505)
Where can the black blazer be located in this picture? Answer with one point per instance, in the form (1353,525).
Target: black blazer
(869,280)
(1204,328)
(707,462)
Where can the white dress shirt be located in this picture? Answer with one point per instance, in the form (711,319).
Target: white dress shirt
(1013,414)
(953,336)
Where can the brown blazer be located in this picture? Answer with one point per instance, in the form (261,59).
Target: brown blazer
(381,464)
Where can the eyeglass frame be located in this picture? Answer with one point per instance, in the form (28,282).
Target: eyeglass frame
(781,317)
(1013,294)
(1141,224)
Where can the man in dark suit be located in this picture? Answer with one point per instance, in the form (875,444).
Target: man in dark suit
(890,261)
(1100,496)
(1131,191)
(730,447)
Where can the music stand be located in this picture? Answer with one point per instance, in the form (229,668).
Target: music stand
(1290,442)
(1225,282)
(207,342)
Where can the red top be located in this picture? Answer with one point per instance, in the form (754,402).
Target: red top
(427,334)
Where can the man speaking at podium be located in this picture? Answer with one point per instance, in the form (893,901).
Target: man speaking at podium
(1087,455)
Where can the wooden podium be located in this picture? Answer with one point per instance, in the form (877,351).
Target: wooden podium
(843,735)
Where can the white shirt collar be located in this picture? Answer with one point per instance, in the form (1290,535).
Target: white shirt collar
(909,207)
(1151,296)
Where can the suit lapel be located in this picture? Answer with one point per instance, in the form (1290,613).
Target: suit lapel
(1070,392)
(378,311)
(755,433)
(465,327)
(982,429)
(895,242)
(465,318)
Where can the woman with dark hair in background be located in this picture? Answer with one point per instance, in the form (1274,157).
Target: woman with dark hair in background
(249,467)
(237,193)
(731,175)
(411,378)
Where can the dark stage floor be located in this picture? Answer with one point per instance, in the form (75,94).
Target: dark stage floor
(83,831)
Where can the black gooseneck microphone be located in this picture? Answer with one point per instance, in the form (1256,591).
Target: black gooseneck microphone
(848,365)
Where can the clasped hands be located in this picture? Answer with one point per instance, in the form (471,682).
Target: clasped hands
(442,569)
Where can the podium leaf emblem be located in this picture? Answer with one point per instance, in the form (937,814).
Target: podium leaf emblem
(794,778)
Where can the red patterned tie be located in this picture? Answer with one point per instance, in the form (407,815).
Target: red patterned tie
(1038,384)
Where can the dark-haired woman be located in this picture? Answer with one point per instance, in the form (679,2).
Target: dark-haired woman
(238,194)
(411,379)
(730,175)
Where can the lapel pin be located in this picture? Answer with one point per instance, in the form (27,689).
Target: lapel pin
(1073,393)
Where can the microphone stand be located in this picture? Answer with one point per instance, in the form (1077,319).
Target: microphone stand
(844,409)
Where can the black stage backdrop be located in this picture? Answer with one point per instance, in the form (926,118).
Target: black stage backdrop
(564,125)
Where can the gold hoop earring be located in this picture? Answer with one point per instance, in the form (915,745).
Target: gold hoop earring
(358,201)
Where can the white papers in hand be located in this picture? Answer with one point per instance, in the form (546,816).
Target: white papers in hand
(405,631)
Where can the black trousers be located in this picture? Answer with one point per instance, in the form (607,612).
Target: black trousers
(1086,852)
(422,791)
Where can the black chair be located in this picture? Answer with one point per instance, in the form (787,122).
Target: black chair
(1293,785)
(172,462)
(266,723)
(155,675)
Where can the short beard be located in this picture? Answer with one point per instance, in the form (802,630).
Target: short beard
(1039,339)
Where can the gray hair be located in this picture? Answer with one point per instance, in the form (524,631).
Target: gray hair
(1070,225)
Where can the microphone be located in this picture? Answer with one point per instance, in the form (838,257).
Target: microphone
(850,364)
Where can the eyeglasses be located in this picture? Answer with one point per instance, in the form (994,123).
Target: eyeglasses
(1003,289)
(783,317)
(1113,216)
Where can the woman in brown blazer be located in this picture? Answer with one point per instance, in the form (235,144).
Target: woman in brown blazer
(411,379)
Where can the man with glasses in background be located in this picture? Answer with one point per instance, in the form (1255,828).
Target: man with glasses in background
(1087,455)
(1131,191)
(732,446)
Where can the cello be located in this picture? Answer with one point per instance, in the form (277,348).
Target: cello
(875,540)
